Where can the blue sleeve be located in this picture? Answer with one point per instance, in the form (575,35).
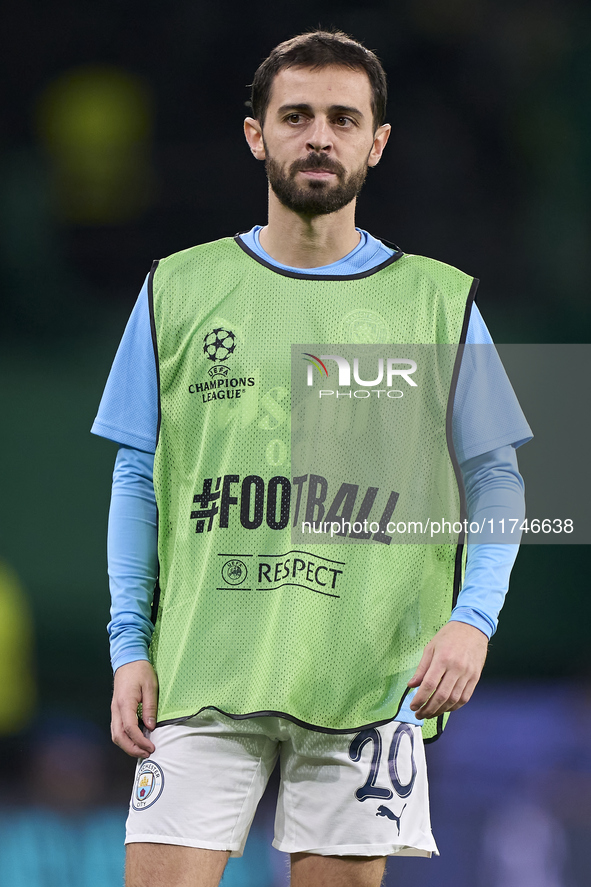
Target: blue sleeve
(128,411)
(488,424)
(492,482)
(494,489)
(486,412)
(132,551)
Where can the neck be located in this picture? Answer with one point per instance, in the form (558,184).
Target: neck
(308,241)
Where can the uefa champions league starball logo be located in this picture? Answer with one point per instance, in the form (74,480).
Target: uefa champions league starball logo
(219,344)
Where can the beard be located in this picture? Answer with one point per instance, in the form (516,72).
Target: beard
(316,197)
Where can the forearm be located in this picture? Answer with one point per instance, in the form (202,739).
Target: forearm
(132,551)
(494,489)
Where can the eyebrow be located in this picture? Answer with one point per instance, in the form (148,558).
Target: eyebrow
(333,109)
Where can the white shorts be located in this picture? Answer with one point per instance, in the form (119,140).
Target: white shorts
(361,794)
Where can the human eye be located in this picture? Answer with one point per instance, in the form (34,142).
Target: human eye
(294,118)
(344,122)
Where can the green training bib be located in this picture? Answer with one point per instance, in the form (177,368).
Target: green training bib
(254,616)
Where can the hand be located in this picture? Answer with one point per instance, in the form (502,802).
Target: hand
(449,669)
(134,683)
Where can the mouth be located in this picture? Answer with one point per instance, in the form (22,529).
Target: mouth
(318,173)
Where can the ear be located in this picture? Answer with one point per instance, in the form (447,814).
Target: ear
(253,133)
(380,139)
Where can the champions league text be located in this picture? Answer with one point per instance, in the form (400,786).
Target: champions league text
(221,389)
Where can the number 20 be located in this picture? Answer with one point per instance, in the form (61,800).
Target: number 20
(370,789)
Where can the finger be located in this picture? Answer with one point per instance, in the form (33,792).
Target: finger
(132,730)
(126,742)
(149,704)
(466,694)
(422,668)
(438,700)
(447,698)
(131,748)
(428,686)
(129,729)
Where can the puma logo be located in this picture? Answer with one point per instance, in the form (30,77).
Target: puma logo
(385,811)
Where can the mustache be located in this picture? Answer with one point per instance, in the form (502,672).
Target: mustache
(317,161)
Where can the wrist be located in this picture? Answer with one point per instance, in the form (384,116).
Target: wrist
(128,657)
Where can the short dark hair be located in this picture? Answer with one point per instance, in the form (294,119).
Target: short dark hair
(319,49)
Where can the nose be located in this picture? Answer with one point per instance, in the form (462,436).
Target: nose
(319,136)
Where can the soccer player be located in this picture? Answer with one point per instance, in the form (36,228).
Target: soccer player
(337,658)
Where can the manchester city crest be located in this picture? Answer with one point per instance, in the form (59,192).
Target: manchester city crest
(149,782)
(363,327)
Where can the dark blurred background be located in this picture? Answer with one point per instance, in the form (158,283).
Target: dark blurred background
(121,142)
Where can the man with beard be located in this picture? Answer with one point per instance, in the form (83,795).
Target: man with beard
(261,648)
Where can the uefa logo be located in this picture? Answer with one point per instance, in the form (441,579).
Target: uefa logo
(234,572)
